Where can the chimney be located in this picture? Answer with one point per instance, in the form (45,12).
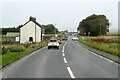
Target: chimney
(32,18)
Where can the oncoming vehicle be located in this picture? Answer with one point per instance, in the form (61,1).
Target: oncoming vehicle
(64,38)
(53,43)
(75,39)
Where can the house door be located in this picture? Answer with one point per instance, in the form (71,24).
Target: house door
(30,39)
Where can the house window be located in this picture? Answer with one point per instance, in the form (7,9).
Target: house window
(30,39)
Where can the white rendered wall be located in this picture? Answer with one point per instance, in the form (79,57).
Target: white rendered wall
(28,30)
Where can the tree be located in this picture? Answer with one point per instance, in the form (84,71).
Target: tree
(95,24)
(50,29)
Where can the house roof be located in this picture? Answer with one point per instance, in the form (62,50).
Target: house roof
(12,34)
(38,24)
(34,20)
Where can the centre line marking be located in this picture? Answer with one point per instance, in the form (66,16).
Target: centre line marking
(62,50)
(63,54)
(70,72)
(65,61)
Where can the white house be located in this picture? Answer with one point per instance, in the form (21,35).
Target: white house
(31,31)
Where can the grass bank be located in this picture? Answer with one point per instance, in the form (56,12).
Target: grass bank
(102,46)
(9,57)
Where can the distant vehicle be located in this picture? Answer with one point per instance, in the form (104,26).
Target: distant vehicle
(75,39)
(64,38)
(59,41)
(53,43)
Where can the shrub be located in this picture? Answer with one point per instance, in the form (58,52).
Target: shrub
(4,50)
(33,46)
(99,40)
(16,49)
(112,40)
(26,45)
(34,42)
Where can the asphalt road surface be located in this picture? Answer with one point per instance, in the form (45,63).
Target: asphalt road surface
(70,61)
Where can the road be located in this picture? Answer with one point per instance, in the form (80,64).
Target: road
(70,61)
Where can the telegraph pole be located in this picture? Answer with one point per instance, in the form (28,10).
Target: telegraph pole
(55,31)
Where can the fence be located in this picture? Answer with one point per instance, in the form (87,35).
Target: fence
(6,40)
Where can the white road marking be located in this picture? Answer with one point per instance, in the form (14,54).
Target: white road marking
(62,50)
(64,47)
(70,72)
(63,54)
(109,60)
(32,53)
(102,57)
(99,55)
(4,77)
(94,53)
(65,61)
(65,44)
(82,47)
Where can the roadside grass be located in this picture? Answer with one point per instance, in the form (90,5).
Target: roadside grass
(9,57)
(3,39)
(111,45)
(102,47)
(11,44)
(91,37)
(113,34)
(3,35)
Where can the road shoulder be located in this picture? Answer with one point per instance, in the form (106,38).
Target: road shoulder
(111,57)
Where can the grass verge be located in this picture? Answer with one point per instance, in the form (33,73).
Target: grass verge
(10,57)
(99,47)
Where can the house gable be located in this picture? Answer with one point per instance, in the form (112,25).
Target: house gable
(31,31)
(34,21)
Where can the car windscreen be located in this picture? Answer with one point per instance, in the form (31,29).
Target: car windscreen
(53,40)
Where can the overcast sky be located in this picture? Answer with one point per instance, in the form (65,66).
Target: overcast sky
(66,14)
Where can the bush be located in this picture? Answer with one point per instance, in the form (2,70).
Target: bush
(16,49)
(4,50)
(33,46)
(113,40)
(98,40)
(26,45)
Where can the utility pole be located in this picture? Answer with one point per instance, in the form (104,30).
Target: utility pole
(55,31)
(79,29)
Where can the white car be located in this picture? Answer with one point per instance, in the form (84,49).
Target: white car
(53,43)
(75,39)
